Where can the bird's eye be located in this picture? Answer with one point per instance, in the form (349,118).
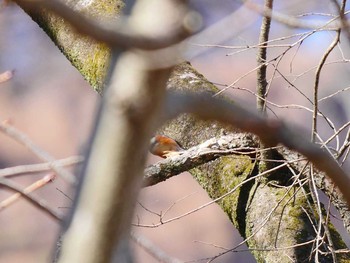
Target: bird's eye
(153,140)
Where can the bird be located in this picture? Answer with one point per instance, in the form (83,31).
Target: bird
(164,146)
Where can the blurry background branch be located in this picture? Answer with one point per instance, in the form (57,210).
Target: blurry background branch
(41,167)
(271,132)
(290,21)
(23,139)
(113,173)
(29,189)
(118,34)
(39,203)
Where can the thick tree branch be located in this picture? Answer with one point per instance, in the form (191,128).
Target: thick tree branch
(271,132)
(322,182)
(113,174)
(121,35)
(90,57)
(208,151)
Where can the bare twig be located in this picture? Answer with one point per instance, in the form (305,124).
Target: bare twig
(322,183)
(39,203)
(292,21)
(262,84)
(321,221)
(126,121)
(271,132)
(249,179)
(153,250)
(261,59)
(333,94)
(23,139)
(33,187)
(345,145)
(41,167)
(343,20)
(267,62)
(317,79)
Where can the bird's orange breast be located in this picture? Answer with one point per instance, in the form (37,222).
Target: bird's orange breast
(161,145)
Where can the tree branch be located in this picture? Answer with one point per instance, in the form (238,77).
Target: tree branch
(121,35)
(39,203)
(322,182)
(293,22)
(113,174)
(40,167)
(316,84)
(29,189)
(210,150)
(23,139)
(153,250)
(261,59)
(271,132)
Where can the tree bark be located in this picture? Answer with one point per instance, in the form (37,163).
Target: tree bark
(87,55)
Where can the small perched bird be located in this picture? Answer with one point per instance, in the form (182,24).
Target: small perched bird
(164,146)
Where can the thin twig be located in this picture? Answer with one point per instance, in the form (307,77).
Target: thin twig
(31,188)
(271,132)
(37,202)
(23,139)
(316,84)
(214,200)
(152,249)
(345,145)
(292,21)
(321,221)
(264,220)
(261,59)
(343,19)
(41,167)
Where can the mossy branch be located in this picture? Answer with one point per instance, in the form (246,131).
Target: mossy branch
(89,56)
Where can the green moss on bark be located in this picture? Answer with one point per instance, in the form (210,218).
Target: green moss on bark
(90,57)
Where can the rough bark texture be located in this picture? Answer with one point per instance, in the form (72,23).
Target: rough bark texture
(188,159)
(323,183)
(248,206)
(90,57)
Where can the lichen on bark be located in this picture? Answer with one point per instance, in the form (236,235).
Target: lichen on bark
(90,57)
(246,207)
